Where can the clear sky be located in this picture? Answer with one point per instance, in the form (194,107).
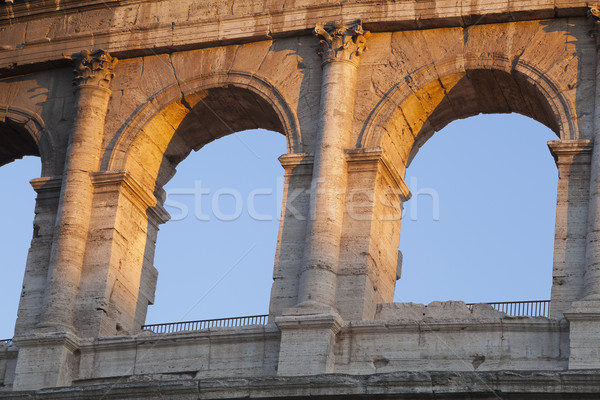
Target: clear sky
(479,228)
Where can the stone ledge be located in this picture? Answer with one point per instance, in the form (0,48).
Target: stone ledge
(271,22)
(238,333)
(418,385)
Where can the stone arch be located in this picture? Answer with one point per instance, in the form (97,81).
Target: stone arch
(128,189)
(23,133)
(181,99)
(484,84)
(435,95)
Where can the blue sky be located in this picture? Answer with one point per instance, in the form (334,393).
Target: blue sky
(479,227)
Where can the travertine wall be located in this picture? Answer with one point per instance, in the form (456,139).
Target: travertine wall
(155,80)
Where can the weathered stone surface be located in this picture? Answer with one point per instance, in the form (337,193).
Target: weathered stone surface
(533,385)
(355,109)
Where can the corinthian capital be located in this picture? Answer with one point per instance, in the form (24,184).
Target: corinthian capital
(94,68)
(340,42)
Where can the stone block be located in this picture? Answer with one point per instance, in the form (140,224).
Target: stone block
(307,343)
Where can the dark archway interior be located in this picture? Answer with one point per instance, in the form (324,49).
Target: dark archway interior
(213,114)
(488,92)
(15,143)
(216,113)
(227,261)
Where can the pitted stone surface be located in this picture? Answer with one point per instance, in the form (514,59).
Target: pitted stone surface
(355,109)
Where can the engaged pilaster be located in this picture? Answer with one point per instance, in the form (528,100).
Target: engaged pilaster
(94,72)
(292,231)
(584,315)
(592,266)
(118,277)
(573,159)
(38,257)
(371,231)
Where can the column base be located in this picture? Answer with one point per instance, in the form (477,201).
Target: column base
(584,334)
(310,307)
(46,360)
(307,343)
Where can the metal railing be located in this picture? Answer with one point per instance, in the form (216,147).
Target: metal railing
(536,308)
(206,324)
(7,342)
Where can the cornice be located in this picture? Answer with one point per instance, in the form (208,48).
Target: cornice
(565,151)
(271,21)
(27,9)
(141,197)
(374,156)
(65,339)
(47,187)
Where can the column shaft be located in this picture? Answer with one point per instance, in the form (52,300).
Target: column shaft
(340,49)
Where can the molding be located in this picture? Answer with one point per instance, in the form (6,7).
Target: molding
(564,151)
(34,125)
(268,21)
(585,310)
(426,385)
(452,326)
(376,155)
(247,334)
(293,160)
(312,321)
(66,339)
(50,185)
(116,156)
(142,198)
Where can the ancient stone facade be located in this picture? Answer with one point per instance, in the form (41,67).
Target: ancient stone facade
(112,95)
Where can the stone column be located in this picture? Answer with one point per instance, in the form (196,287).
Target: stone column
(309,329)
(94,72)
(341,46)
(48,356)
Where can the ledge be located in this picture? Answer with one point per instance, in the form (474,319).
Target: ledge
(22,51)
(506,385)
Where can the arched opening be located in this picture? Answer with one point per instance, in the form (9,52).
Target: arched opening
(217,250)
(148,152)
(15,142)
(18,203)
(17,169)
(480,225)
(408,117)
(214,118)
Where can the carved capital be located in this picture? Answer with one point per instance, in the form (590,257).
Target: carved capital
(340,42)
(594,13)
(94,68)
